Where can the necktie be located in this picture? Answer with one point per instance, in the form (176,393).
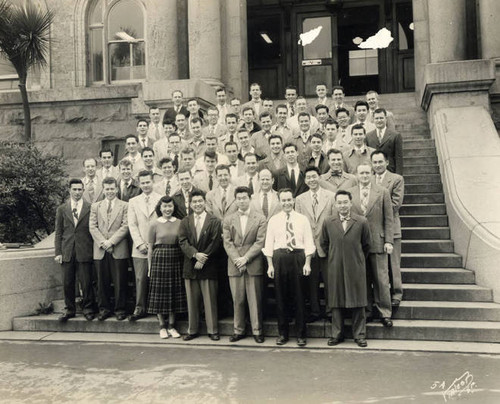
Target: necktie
(337,173)
(292,110)
(290,235)
(265,205)
(75,213)
(378,179)
(223,201)
(109,210)
(364,200)
(231,138)
(143,141)
(176,162)
(315,205)
(157,132)
(146,198)
(187,203)
(250,185)
(344,220)
(198,227)
(293,182)
(167,189)
(91,190)
(379,136)
(210,182)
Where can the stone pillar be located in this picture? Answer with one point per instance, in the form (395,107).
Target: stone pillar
(204,31)
(489,12)
(161,40)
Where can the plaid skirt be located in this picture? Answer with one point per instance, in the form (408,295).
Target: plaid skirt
(167,293)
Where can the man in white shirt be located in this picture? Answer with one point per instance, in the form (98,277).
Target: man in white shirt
(107,169)
(361,115)
(236,166)
(169,183)
(244,141)
(91,182)
(338,95)
(266,200)
(359,152)
(301,107)
(182,127)
(332,139)
(143,139)
(148,158)
(222,107)
(276,158)
(373,103)
(133,155)
(155,130)
(255,102)
(214,127)
(206,180)
(281,127)
(344,119)
(250,178)
(197,141)
(231,134)
(291,97)
(288,248)
(162,147)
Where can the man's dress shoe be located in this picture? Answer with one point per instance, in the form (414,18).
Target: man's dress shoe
(259,339)
(189,337)
(236,337)
(386,321)
(214,337)
(281,340)
(65,317)
(361,342)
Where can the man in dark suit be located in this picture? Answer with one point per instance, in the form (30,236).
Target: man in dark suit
(244,233)
(315,156)
(127,186)
(390,142)
(177,108)
(275,159)
(200,238)
(182,198)
(374,202)
(73,249)
(291,176)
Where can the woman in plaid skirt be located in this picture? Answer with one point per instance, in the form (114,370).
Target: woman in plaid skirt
(167,295)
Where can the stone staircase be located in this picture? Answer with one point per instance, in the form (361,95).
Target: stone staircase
(441,300)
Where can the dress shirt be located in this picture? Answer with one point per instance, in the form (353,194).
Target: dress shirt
(316,158)
(243,220)
(254,179)
(379,178)
(143,142)
(187,199)
(78,206)
(199,220)
(380,134)
(344,220)
(296,171)
(276,233)
(305,136)
(345,135)
(124,185)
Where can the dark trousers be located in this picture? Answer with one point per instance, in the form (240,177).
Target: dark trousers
(358,322)
(141,285)
(288,285)
(82,271)
(110,270)
(317,269)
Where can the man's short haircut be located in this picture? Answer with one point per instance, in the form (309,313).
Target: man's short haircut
(289,144)
(322,106)
(281,106)
(339,110)
(358,126)
(192,99)
(169,122)
(322,84)
(283,190)
(87,159)
(212,108)
(185,170)
(174,134)
(153,107)
(146,149)
(102,151)
(255,84)
(221,167)
(275,136)
(317,135)
(372,92)
(380,111)
(243,130)
(197,192)
(331,121)
(188,150)
(109,181)
(311,168)
(163,199)
(360,103)
(145,173)
(125,163)
(363,165)
(343,192)
(291,88)
(210,154)
(338,88)
(265,114)
(230,144)
(250,155)
(219,89)
(248,108)
(243,190)
(196,119)
(177,91)
(265,170)
(212,137)
(131,136)
(166,160)
(142,120)
(231,115)
(234,99)
(333,151)
(77,181)
(301,114)
(383,153)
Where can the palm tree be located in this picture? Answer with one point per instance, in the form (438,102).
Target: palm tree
(24,41)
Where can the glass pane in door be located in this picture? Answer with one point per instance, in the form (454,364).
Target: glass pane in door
(321,46)
(314,75)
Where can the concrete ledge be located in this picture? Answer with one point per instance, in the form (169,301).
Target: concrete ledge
(28,277)
(469,155)
(453,77)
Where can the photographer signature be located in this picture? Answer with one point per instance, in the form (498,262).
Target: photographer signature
(463,385)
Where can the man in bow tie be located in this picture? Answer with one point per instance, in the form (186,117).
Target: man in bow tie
(337,178)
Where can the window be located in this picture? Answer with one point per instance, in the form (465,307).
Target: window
(363,62)
(116,41)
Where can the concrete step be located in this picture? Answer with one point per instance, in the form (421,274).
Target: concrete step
(422,178)
(425,233)
(437,275)
(423,198)
(409,133)
(410,160)
(446,292)
(427,246)
(431,260)
(437,330)
(452,311)
(417,144)
(421,209)
(427,169)
(424,220)
(420,152)
(423,188)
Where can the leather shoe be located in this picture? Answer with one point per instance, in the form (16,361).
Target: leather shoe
(361,342)
(135,317)
(214,337)
(103,316)
(334,341)
(89,316)
(301,342)
(395,303)
(65,317)
(281,340)
(121,316)
(236,337)
(386,321)
(259,339)
(189,337)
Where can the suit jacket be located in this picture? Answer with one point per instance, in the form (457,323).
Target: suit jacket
(140,216)
(243,182)
(73,241)
(150,141)
(115,230)
(218,131)
(379,215)
(304,205)
(171,113)
(307,161)
(269,164)
(214,202)
(334,183)
(155,136)
(333,111)
(391,123)
(238,170)
(209,243)
(247,245)
(282,180)
(395,184)
(180,211)
(260,143)
(273,200)
(257,107)
(161,149)
(98,195)
(328,102)
(161,186)
(392,145)
(352,159)
(113,172)
(201,181)
(130,192)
